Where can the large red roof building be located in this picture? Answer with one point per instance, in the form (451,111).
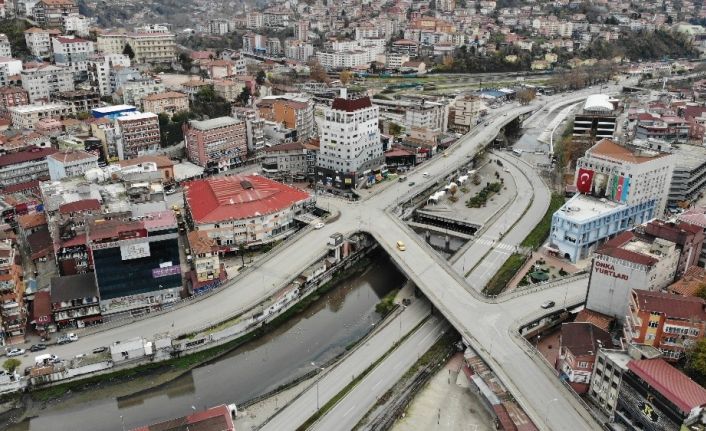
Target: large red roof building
(244,209)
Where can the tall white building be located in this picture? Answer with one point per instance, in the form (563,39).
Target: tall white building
(72,52)
(99,67)
(351,150)
(618,189)
(38,41)
(43,81)
(298,50)
(5,49)
(427,115)
(77,24)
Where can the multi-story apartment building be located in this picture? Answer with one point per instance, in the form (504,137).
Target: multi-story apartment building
(138,134)
(27,116)
(218,143)
(467,110)
(597,120)
(50,13)
(618,189)
(133,91)
(169,102)
(13,313)
(38,41)
(73,52)
(301,30)
(44,81)
(26,165)
(75,301)
(671,323)
(5,48)
(297,50)
(254,43)
(689,176)
(294,111)
(285,162)
(206,261)
(345,59)
(244,210)
(629,262)
(99,71)
(70,164)
(151,44)
(76,24)
(255,20)
(254,128)
(427,115)
(350,150)
(579,345)
(12,96)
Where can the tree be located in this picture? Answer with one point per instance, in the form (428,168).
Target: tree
(207,103)
(346,76)
(526,95)
(244,96)
(185,61)
(11,364)
(261,77)
(128,51)
(317,72)
(696,361)
(395,129)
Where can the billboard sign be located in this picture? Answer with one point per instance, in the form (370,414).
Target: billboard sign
(135,250)
(166,271)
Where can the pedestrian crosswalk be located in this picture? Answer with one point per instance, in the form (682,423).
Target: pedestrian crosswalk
(495,244)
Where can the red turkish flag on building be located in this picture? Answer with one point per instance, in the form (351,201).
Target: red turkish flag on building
(584,180)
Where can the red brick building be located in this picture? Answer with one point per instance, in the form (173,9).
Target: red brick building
(666,321)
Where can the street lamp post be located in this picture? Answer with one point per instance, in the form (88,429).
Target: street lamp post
(317,385)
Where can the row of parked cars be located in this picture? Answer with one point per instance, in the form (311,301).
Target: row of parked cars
(64,339)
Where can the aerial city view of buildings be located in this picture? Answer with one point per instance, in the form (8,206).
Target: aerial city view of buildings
(178,179)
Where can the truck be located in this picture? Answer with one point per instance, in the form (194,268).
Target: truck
(45,359)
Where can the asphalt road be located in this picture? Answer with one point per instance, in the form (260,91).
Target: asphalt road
(351,409)
(482,323)
(332,381)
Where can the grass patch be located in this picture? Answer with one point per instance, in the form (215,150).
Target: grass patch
(540,232)
(387,303)
(482,196)
(501,278)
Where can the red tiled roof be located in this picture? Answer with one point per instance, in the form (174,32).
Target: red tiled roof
(285,147)
(28,155)
(160,161)
(82,205)
(70,40)
(670,382)
(351,105)
(690,283)
(237,197)
(583,338)
(598,319)
(214,419)
(672,306)
(20,187)
(398,152)
(608,148)
(41,306)
(29,221)
(71,156)
(614,249)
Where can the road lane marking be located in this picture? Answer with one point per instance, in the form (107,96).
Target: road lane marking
(349,410)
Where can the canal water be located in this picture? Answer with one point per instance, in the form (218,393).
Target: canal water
(336,320)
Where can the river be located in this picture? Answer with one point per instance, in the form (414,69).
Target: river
(334,321)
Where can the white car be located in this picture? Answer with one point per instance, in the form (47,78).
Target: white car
(318,225)
(15,352)
(71,336)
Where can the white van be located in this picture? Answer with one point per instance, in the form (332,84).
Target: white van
(45,358)
(518,153)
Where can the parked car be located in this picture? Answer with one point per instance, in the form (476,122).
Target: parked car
(72,336)
(37,347)
(99,350)
(411,183)
(318,225)
(548,304)
(67,338)
(15,352)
